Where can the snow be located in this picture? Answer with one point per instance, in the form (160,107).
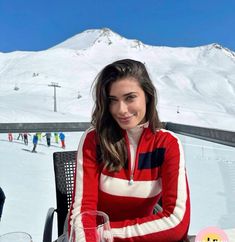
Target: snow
(28,182)
(211,172)
(198,82)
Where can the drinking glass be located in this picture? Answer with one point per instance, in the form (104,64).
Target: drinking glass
(91,226)
(16,237)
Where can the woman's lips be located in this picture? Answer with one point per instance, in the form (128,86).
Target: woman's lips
(125,119)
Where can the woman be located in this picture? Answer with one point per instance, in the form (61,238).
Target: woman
(126,162)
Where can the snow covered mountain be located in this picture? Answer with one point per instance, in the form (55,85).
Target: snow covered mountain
(195,85)
(91,37)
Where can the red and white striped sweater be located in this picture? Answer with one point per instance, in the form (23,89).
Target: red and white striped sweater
(155,168)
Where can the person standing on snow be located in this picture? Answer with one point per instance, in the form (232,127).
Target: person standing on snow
(35,142)
(62,139)
(20,136)
(56,137)
(48,137)
(10,137)
(25,135)
(39,136)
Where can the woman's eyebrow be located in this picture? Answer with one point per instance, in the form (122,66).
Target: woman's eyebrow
(112,96)
(129,93)
(124,95)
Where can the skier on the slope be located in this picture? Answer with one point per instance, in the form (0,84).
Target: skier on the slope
(20,136)
(10,137)
(25,135)
(56,137)
(48,137)
(62,139)
(35,142)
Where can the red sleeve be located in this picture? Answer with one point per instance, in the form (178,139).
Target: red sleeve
(172,223)
(85,195)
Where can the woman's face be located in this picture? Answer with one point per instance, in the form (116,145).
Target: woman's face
(127,103)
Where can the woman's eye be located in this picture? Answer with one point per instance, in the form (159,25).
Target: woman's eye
(112,100)
(131,97)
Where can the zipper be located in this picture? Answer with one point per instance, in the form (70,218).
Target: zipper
(132,171)
(131,181)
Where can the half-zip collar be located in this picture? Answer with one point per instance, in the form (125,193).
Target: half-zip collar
(134,136)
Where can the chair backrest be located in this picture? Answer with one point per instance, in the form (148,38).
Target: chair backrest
(64,168)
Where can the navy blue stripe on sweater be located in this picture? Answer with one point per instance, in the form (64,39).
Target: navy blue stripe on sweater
(151,159)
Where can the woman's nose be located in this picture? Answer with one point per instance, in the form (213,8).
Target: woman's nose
(122,108)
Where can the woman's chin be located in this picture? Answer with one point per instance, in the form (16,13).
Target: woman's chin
(127,125)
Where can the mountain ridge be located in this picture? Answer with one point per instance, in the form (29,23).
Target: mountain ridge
(185,77)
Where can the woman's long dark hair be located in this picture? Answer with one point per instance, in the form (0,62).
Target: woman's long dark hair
(110,135)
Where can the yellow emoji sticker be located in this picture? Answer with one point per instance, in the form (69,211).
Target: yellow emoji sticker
(211,234)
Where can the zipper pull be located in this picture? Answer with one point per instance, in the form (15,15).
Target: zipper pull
(131,181)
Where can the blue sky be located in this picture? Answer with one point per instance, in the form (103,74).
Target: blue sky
(40,24)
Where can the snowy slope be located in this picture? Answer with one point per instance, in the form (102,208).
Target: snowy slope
(28,182)
(197,81)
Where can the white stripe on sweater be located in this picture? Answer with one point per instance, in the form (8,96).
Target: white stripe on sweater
(79,179)
(120,187)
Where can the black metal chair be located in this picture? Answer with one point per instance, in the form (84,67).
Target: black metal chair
(64,168)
